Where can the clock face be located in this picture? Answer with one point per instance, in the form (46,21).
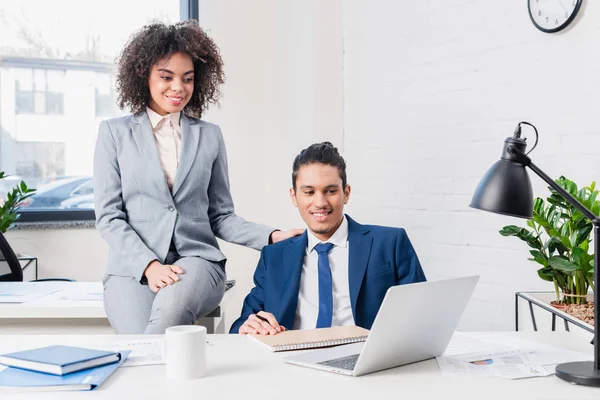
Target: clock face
(553,15)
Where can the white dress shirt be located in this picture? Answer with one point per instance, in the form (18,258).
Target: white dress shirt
(167,136)
(308,297)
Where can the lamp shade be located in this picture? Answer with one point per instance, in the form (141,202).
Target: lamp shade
(505,188)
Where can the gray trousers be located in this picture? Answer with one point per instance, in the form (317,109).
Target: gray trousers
(132,308)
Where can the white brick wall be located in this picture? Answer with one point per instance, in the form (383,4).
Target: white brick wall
(432,88)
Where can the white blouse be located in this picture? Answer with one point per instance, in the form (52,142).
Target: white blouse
(167,135)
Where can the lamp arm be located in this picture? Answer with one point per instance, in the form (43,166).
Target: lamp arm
(522,158)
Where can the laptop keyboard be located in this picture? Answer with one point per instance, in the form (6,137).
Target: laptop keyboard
(347,362)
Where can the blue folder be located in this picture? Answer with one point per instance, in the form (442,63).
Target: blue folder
(16,379)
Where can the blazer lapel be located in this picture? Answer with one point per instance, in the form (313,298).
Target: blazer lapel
(144,139)
(292,258)
(360,242)
(190,139)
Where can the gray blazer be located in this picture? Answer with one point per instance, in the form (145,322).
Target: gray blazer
(136,213)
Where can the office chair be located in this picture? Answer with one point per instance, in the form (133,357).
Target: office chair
(16,273)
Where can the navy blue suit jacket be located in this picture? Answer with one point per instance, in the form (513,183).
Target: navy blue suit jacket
(379,257)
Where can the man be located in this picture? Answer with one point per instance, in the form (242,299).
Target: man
(338,271)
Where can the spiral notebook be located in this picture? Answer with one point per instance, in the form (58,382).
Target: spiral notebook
(312,338)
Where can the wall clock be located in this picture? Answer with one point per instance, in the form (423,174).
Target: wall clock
(553,15)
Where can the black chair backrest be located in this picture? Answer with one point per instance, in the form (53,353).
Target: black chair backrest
(9,256)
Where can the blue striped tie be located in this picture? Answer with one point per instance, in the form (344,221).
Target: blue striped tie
(325,286)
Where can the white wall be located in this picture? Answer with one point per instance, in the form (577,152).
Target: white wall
(284,91)
(432,88)
(419,96)
(78,254)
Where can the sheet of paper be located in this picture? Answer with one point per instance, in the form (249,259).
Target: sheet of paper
(509,365)
(143,352)
(494,356)
(80,296)
(21,292)
(85,291)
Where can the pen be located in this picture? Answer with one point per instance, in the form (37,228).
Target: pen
(280,329)
(265,320)
(262,318)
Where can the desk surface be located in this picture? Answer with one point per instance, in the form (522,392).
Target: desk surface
(68,301)
(241,369)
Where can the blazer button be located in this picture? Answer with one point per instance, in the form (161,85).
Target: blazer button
(171,208)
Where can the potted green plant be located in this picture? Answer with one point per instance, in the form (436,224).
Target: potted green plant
(10,205)
(559,236)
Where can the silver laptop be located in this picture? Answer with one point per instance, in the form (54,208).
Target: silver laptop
(415,322)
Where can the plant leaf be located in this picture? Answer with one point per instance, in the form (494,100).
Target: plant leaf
(14,199)
(510,230)
(563,265)
(546,274)
(539,257)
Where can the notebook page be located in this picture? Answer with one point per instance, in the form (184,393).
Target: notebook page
(312,338)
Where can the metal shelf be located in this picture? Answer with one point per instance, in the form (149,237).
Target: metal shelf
(542,300)
(26,261)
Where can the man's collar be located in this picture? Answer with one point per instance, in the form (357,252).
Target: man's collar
(339,238)
(155,117)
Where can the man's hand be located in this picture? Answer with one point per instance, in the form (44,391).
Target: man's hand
(159,275)
(278,236)
(262,323)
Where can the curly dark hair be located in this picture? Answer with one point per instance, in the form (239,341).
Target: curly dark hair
(323,153)
(158,41)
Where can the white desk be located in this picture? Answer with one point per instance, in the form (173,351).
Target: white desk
(67,311)
(241,369)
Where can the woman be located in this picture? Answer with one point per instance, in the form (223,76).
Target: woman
(161,184)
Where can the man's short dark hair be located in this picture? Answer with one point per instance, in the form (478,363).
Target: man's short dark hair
(322,153)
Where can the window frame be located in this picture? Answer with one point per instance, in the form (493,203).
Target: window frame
(188,9)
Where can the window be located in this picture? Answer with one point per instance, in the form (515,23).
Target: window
(24,93)
(57,85)
(39,91)
(104,95)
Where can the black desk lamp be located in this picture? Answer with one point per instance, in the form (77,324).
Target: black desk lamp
(506,189)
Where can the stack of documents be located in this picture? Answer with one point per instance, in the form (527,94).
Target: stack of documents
(57,368)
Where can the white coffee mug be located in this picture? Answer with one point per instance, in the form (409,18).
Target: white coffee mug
(185,348)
